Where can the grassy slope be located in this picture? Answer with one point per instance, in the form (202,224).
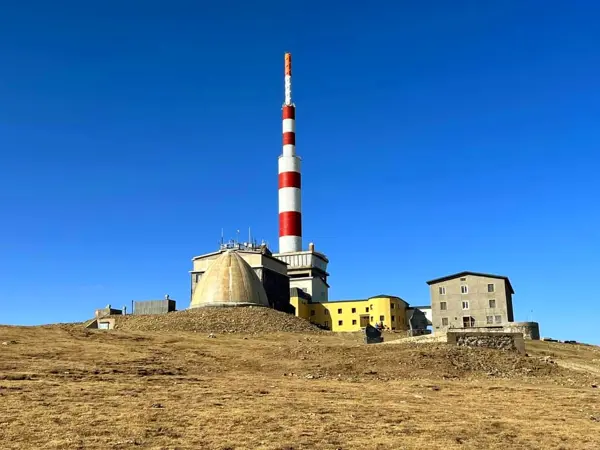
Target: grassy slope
(66,388)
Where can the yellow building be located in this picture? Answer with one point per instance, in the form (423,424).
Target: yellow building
(352,315)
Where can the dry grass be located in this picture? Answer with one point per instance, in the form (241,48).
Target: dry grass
(66,388)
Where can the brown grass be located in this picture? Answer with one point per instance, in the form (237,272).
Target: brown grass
(64,387)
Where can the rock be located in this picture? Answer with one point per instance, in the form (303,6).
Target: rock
(594,386)
(435,388)
(157,405)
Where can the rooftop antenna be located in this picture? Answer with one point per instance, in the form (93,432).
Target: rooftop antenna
(249,237)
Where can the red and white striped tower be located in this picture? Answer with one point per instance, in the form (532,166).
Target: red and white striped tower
(290,211)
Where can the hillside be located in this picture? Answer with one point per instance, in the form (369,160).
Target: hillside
(63,387)
(217,320)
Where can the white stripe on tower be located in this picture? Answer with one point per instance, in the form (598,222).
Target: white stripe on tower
(290,200)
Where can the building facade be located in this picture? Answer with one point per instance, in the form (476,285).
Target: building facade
(470,299)
(354,315)
(307,270)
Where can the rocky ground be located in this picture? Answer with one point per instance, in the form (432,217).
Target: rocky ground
(247,320)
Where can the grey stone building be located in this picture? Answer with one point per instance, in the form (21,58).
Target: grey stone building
(471,299)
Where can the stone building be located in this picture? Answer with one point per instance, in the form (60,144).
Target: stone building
(470,300)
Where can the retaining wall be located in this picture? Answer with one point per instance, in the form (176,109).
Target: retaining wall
(501,341)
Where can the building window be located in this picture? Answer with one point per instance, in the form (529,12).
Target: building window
(326,324)
(312,312)
(492,302)
(353,321)
(463,279)
(393,318)
(371,306)
(367,309)
(490,320)
(498,319)
(326,312)
(371,318)
(464,289)
(465,305)
(442,290)
(353,310)
(339,310)
(444,321)
(381,318)
(443,306)
(491,287)
(340,322)
(468,322)
(392,306)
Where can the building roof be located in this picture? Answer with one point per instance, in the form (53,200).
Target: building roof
(477,274)
(229,281)
(360,299)
(266,253)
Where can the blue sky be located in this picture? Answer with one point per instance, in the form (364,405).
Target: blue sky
(436,137)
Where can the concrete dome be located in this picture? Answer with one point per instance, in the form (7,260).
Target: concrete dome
(229,281)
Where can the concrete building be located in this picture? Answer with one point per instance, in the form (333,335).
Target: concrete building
(271,271)
(229,281)
(470,299)
(354,315)
(307,271)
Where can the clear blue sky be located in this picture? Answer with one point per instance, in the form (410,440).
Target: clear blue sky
(436,137)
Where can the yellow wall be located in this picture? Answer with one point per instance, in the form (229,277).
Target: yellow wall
(330,314)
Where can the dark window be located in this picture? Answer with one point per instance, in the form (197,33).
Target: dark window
(353,310)
(381,318)
(367,309)
(468,321)
(464,289)
(392,306)
(444,321)
(393,318)
(443,306)
(340,322)
(490,320)
(353,321)
(442,290)
(498,319)
(312,313)
(490,287)
(492,302)
(326,312)
(339,310)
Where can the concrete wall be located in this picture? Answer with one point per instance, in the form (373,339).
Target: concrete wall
(153,306)
(529,330)
(478,298)
(277,287)
(502,341)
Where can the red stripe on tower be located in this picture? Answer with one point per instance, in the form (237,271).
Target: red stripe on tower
(290,211)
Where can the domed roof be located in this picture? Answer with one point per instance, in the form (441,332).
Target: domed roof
(229,281)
